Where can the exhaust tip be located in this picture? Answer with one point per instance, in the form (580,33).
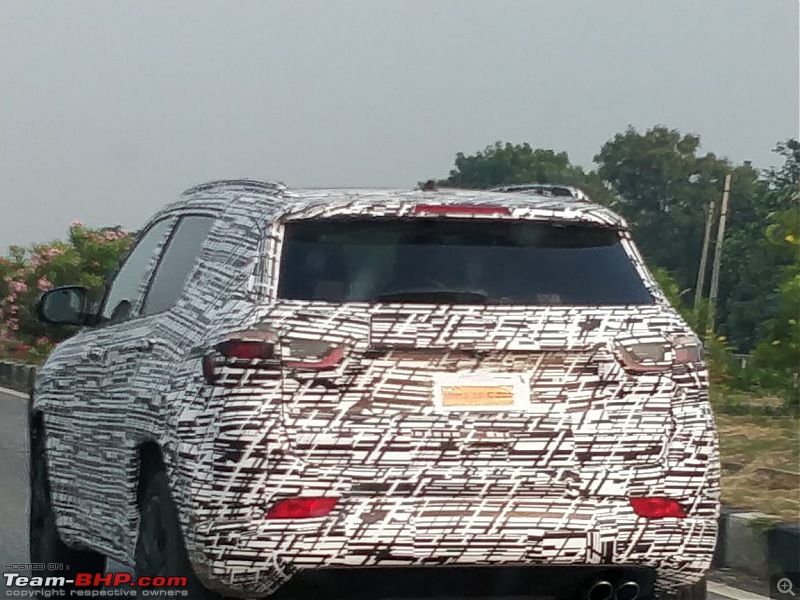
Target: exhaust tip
(627,591)
(600,590)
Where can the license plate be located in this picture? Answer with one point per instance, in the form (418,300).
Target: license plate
(453,391)
(477,395)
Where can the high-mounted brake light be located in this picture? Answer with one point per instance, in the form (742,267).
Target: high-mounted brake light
(302,508)
(657,508)
(460,209)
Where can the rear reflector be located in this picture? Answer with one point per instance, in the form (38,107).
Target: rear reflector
(460,209)
(657,508)
(302,508)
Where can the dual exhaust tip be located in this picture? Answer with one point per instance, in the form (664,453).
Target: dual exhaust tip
(605,590)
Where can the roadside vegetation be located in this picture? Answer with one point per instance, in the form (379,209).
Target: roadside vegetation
(663,185)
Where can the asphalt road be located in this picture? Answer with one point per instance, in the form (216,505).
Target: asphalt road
(14,495)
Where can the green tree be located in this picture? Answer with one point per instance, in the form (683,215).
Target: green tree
(663,188)
(753,262)
(776,358)
(507,164)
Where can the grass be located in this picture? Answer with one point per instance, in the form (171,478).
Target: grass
(760,461)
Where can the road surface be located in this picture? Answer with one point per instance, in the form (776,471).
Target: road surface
(14,499)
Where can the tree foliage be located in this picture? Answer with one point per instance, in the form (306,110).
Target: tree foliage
(508,164)
(85,259)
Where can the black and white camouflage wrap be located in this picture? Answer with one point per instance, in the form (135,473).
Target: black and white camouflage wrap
(547,483)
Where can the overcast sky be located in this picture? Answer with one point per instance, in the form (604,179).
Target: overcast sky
(110,108)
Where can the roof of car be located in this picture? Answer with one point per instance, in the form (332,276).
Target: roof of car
(277,201)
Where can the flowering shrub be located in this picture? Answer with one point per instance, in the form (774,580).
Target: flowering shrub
(85,259)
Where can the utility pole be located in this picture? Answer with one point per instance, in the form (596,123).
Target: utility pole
(723,217)
(701,274)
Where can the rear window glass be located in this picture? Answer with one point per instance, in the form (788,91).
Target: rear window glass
(435,261)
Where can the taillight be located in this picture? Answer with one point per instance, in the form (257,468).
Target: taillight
(311,354)
(302,508)
(460,209)
(246,349)
(688,349)
(235,350)
(657,508)
(647,357)
(661,355)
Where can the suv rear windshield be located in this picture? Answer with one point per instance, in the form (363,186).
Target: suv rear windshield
(435,261)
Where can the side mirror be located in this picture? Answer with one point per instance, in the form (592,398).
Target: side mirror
(63,306)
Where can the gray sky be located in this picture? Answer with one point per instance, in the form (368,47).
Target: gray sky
(110,108)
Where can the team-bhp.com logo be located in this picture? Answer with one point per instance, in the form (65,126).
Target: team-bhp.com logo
(93,585)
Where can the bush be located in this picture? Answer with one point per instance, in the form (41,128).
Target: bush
(85,259)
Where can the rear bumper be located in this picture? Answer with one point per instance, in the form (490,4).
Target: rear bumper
(257,558)
(462,582)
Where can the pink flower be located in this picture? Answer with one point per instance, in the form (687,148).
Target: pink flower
(11,298)
(36,260)
(13,325)
(51,252)
(76,223)
(111,235)
(43,284)
(42,341)
(18,286)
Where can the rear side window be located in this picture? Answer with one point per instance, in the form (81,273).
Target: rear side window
(457,261)
(176,263)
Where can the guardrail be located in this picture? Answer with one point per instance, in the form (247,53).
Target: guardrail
(17,376)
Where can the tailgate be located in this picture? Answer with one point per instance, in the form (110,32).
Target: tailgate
(449,401)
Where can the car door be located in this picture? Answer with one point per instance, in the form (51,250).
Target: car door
(96,426)
(138,366)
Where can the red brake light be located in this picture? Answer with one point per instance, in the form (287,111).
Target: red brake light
(657,508)
(302,508)
(246,349)
(460,209)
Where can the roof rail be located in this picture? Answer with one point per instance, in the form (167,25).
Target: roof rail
(252,184)
(546,189)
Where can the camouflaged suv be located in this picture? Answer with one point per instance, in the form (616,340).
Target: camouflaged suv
(378,393)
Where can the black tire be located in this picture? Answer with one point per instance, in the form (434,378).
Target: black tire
(160,549)
(45,544)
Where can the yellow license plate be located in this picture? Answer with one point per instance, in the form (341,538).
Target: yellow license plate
(478,395)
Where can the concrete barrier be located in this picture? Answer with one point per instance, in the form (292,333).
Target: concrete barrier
(17,376)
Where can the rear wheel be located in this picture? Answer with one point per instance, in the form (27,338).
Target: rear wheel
(46,547)
(160,549)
